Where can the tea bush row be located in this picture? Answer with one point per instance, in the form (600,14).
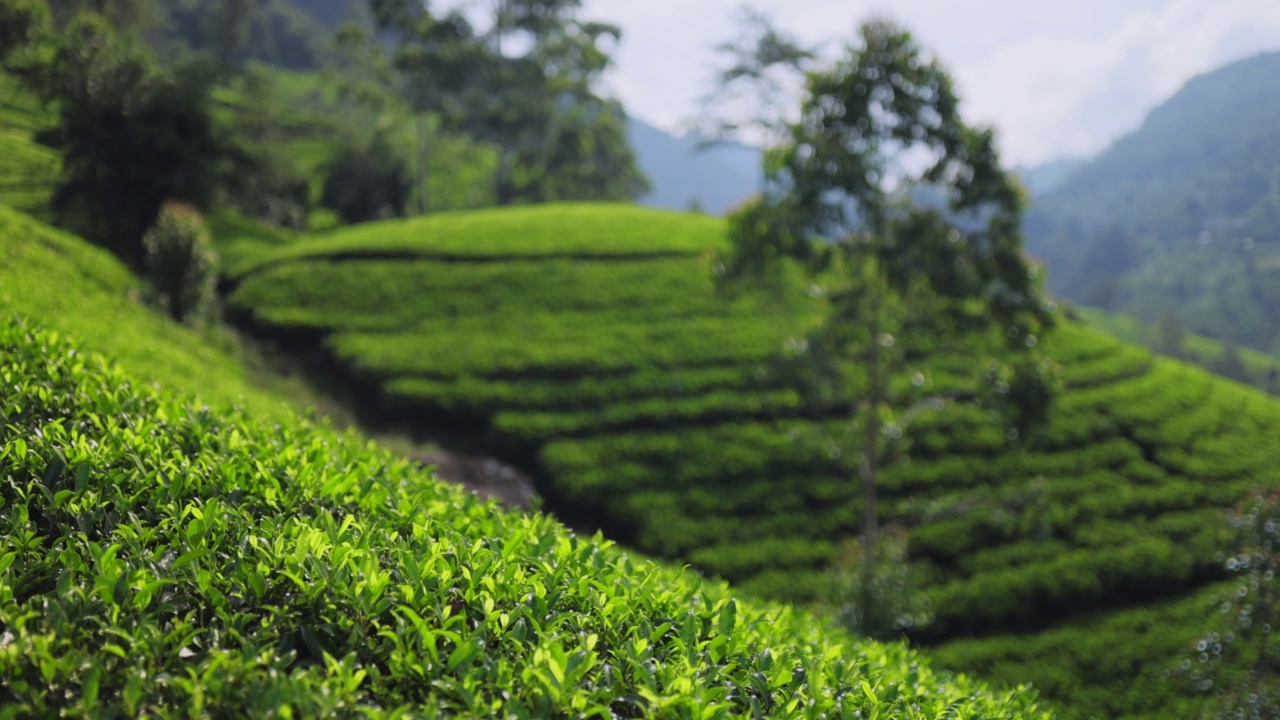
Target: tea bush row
(398,294)
(586,230)
(1119,665)
(716,406)
(475,394)
(558,346)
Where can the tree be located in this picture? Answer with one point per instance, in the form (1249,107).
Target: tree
(20,23)
(132,135)
(367,181)
(525,85)
(1229,364)
(180,263)
(1169,336)
(749,98)
(128,16)
(219,27)
(261,179)
(907,281)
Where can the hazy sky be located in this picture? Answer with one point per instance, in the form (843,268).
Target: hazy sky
(1058,78)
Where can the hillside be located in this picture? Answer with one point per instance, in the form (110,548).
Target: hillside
(66,285)
(642,402)
(159,554)
(1181,216)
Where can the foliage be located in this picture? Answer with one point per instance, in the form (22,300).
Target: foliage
(158,555)
(263,181)
(126,16)
(266,184)
(161,144)
(179,263)
(525,85)
(751,94)
(1236,661)
(20,22)
(367,182)
(280,32)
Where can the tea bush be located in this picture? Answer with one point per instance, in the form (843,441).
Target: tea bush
(180,264)
(161,558)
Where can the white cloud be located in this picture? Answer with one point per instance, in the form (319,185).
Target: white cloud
(1058,79)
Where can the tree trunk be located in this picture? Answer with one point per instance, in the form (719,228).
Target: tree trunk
(424,163)
(503,191)
(869,467)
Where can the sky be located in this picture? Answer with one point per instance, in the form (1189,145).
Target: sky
(1058,80)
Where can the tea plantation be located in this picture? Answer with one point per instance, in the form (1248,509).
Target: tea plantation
(158,558)
(587,344)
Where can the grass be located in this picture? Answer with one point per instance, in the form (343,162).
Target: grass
(156,556)
(587,344)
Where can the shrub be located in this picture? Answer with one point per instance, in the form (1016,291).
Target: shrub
(367,182)
(180,264)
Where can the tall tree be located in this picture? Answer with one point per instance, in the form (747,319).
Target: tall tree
(20,22)
(525,85)
(131,16)
(908,281)
(753,90)
(132,134)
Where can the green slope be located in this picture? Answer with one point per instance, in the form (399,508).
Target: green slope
(28,170)
(67,285)
(161,559)
(608,366)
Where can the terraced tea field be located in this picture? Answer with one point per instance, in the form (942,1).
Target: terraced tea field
(598,355)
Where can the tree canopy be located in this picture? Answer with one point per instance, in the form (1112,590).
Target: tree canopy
(902,211)
(525,85)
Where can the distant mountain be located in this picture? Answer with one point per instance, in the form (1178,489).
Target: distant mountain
(684,177)
(1046,177)
(1182,216)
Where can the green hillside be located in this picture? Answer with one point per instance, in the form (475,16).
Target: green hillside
(643,403)
(1183,215)
(156,555)
(66,285)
